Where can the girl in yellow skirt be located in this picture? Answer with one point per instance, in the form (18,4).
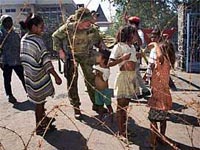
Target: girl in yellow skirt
(124,55)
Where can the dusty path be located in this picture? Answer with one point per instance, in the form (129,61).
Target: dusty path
(183,128)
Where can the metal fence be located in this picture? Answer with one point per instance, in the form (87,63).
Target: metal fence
(193,43)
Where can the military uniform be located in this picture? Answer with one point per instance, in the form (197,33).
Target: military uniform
(81,42)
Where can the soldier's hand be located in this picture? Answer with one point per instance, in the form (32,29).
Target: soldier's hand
(62,55)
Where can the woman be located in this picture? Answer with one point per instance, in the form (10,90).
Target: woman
(37,69)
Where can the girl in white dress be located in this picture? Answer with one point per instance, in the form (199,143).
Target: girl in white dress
(124,55)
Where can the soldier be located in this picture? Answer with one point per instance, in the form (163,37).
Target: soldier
(81,35)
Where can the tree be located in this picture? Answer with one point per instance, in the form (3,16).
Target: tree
(162,13)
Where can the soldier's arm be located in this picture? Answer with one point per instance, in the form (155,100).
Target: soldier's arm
(58,37)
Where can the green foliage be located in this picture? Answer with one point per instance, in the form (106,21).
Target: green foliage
(152,12)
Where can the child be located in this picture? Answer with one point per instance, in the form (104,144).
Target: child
(161,100)
(155,37)
(124,54)
(37,69)
(102,93)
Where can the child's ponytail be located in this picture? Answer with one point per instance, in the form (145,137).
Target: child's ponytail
(31,20)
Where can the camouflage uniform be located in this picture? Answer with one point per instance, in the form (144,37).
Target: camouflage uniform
(81,42)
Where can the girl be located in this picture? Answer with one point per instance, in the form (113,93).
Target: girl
(124,54)
(155,37)
(161,100)
(37,69)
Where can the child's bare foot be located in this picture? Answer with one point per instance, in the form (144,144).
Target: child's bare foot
(123,139)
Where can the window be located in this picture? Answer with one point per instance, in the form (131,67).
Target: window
(49,9)
(25,9)
(10,10)
(1,11)
(7,10)
(55,9)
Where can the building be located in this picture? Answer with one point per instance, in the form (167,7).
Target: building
(188,37)
(52,11)
(102,21)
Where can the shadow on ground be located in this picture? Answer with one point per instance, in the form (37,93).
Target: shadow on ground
(178,107)
(188,82)
(24,106)
(67,140)
(140,137)
(184,119)
(95,124)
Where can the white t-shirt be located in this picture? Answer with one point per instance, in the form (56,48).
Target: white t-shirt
(121,49)
(105,71)
(141,35)
(151,60)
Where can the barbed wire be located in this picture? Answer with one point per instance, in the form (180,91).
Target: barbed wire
(195,106)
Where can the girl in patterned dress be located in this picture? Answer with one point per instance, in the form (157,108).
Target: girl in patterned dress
(161,100)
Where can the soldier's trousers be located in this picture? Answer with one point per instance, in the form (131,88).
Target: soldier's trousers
(86,62)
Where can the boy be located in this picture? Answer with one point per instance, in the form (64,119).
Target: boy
(102,73)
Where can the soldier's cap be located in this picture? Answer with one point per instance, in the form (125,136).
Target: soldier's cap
(106,53)
(93,12)
(134,19)
(83,14)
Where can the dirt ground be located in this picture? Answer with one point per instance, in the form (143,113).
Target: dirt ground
(17,122)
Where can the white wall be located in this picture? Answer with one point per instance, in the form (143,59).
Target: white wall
(18,15)
(53,2)
(14,2)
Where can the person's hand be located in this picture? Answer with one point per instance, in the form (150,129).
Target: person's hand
(62,55)
(138,55)
(126,56)
(58,80)
(152,66)
(152,45)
